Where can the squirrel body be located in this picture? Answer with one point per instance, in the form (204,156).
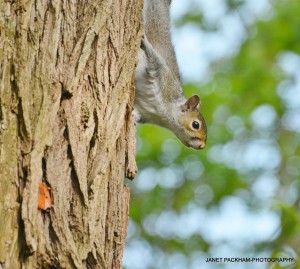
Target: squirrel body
(159,98)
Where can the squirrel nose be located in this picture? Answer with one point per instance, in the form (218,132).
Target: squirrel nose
(201,145)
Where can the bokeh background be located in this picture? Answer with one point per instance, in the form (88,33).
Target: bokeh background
(240,196)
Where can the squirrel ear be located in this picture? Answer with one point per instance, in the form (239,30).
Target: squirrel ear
(191,104)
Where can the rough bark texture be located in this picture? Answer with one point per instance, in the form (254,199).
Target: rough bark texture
(66,96)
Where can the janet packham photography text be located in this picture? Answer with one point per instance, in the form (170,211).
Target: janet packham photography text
(234,260)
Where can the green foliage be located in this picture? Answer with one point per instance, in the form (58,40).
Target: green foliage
(178,180)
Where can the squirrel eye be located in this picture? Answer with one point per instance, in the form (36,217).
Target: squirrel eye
(196,125)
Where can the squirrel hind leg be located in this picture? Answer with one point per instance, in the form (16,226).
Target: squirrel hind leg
(146,45)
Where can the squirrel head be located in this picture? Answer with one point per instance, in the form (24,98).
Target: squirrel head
(194,131)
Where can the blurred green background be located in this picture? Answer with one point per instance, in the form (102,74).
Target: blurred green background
(240,196)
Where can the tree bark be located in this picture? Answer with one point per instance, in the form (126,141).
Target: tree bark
(67,93)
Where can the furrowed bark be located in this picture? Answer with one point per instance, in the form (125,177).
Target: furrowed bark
(66,97)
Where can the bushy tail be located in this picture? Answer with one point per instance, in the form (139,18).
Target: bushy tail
(157,29)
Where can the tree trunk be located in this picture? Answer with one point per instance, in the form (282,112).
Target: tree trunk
(66,82)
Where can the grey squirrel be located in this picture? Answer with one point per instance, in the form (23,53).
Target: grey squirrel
(159,98)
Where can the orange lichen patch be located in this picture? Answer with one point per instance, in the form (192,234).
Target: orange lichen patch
(44,198)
